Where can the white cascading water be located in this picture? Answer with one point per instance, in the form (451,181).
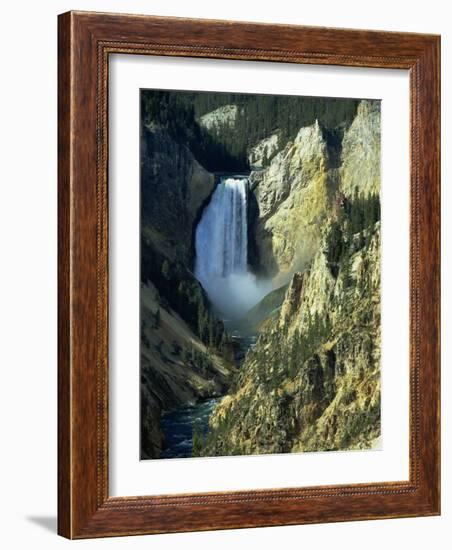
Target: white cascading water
(222,251)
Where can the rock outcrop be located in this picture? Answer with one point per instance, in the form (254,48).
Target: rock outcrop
(295,192)
(260,154)
(175,187)
(294,196)
(361,152)
(312,383)
(221,117)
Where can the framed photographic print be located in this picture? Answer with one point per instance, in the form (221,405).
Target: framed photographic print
(248,275)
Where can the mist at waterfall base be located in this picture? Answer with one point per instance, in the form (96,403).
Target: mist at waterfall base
(221,243)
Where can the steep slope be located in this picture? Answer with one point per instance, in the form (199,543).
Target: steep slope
(361,151)
(260,315)
(312,382)
(176,367)
(180,352)
(174,189)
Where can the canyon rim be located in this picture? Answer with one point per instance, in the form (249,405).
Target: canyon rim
(260,274)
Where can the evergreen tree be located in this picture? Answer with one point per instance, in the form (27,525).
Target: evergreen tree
(157,319)
(166,269)
(198,441)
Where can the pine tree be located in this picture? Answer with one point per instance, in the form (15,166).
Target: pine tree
(198,441)
(157,319)
(166,269)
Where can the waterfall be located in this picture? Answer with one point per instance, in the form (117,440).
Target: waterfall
(221,236)
(221,243)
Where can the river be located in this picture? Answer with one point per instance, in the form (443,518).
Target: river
(178,427)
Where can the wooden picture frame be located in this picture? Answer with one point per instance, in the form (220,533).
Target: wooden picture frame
(85,42)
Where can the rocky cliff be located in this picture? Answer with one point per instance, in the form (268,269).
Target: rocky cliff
(294,196)
(312,382)
(175,187)
(297,190)
(361,152)
(259,155)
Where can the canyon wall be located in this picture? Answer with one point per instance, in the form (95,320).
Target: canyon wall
(294,195)
(180,339)
(312,382)
(175,186)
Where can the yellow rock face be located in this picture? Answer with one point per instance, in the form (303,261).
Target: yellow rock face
(328,397)
(295,193)
(294,200)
